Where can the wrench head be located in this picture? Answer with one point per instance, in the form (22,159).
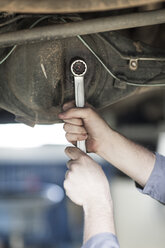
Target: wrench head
(78,68)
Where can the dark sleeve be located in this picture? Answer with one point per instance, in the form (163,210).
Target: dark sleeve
(102,240)
(155,186)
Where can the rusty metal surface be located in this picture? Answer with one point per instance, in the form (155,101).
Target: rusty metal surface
(71,29)
(68,6)
(36,80)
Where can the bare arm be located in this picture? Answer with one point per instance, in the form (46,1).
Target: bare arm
(98,218)
(87,186)
(134,160)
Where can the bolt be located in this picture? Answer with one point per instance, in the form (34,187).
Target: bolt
(133,64)
(78,68)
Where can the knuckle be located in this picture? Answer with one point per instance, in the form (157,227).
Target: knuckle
(64,126)
(66,174)
(65,184)
(66,187)
(68,137)
(68,164)
(67,127)
(71,137)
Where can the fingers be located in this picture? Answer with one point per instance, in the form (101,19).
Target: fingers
(73,137)
(74,153)
(70,128)
(66,187)
(66,174)
(74,113)
(69,164)
(73,121)
(75,133)
(69,105)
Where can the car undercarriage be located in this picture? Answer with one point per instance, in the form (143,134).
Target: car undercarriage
(122,43)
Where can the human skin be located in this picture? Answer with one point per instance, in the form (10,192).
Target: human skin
(87,186)
(85,124)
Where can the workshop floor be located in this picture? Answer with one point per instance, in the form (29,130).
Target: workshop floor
(140,220)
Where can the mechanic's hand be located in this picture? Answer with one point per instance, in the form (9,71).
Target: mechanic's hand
(85,182)
(84,124)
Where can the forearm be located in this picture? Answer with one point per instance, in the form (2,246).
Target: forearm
(132,159)
(86,185)
(98,219)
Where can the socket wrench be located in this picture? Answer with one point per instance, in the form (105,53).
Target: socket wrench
(79,69)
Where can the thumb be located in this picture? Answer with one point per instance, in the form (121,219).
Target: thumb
(68,105)
(74,153)
(81,113)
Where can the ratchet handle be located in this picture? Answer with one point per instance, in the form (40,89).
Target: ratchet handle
(79,92)
(80,103)
(81,145)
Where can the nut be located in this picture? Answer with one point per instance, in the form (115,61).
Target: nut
(133,64)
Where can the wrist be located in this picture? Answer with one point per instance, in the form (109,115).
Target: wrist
(98,219)
(96,206)
(109,139)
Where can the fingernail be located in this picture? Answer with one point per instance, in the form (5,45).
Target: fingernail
(85,135)
(67,149)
